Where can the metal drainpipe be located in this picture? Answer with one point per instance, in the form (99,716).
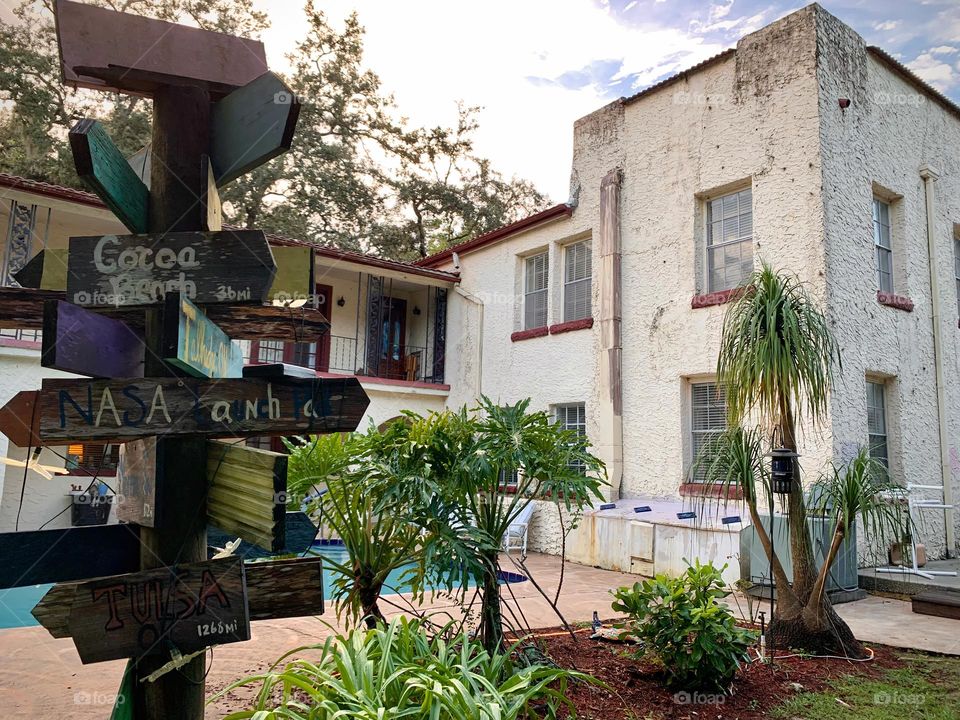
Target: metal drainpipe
(929,178)
(479,303)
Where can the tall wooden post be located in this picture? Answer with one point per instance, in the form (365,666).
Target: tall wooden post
(181,136)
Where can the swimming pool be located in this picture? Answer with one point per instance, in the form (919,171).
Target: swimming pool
(16,603)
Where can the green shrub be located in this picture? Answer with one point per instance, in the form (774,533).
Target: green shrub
(681,622)
(398,671)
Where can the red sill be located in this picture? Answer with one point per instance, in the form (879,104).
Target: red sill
(531,333)
(581,324)
(899,302)
(23,344)
(727,492)
(716,298)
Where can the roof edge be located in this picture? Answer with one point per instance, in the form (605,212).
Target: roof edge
(560,210)
(913,79)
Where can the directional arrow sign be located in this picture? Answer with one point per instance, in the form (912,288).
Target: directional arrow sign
(196,345)
(250,126)
(47,270)
(125,409)
(80,341)
(275,589)
(233,267)
(143,53)
(102,166)
(191,606)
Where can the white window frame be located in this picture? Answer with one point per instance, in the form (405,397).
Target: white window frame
(740,239)
(956,266)
(574,282)
(698,438)
(883,244)
(561,415)
(537,294)
(878,434)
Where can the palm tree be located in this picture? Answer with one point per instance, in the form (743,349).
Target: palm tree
(776,363)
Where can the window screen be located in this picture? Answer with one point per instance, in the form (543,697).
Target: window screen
(573,417)
(729,240)
(877,421)
(708,419)
(577,271)
(884,248)
(535,280)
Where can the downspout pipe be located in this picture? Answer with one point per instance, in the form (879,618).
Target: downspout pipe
(470,297)
(930,176)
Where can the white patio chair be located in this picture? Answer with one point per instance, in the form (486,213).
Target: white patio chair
(516,536)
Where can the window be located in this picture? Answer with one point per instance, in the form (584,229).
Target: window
(884,249)
(877,421)
(956,266)
(573,417)
(708,419)
(268,351)
(729,240)
(92,459)
(577,270)
(535,291)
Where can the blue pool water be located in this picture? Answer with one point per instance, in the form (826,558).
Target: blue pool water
(16,603)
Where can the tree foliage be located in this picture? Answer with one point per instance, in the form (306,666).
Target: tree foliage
(359,176)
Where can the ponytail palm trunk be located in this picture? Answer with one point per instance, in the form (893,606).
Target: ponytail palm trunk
(776,364)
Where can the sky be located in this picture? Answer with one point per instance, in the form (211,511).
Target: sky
(535,66)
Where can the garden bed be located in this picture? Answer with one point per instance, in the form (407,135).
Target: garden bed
(639,689)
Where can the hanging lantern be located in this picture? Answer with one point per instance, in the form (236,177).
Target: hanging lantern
(782,470)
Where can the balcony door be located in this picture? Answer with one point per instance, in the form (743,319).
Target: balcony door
(393,330)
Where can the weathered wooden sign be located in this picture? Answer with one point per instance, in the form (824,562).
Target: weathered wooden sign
(247,496)
(211,209)
(47,270)
(298,530)
(277,370)
(188,607)
(120,410)
(36,557)
(247,493)
(107,50)
(295,273)
(83,342)
(102,166)
(139,465)
(127,270)
(196,345)
(141,161)
(275,589)
(23,308)
(250,126)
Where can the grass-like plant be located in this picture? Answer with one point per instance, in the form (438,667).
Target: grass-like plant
(399,671)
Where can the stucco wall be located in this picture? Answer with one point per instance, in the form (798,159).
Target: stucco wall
(884,138)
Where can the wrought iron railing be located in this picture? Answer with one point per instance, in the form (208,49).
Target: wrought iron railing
(22,334)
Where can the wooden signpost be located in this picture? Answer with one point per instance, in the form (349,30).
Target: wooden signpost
(47,270)
(101,165)
(80,341)
(186,287)
(250,126)
(234,266)
(295,277)
(107,50)
(195,345)
(187,607)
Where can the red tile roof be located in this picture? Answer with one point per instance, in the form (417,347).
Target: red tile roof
(561,210)
(83,197)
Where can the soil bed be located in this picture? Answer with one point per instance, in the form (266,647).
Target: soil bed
(638,687)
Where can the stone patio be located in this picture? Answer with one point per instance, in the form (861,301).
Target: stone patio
(43,677)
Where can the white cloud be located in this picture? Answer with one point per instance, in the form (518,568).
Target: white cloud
(934,71)
(432,53)
(943,50)
(888,25)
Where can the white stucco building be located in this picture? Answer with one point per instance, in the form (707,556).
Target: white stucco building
(800,147)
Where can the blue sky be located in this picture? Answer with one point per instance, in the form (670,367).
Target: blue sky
(535,66)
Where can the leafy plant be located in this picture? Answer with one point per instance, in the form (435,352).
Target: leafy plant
(681,622)
(399,671)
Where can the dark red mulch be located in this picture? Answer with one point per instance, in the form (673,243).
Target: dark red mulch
(640,685)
